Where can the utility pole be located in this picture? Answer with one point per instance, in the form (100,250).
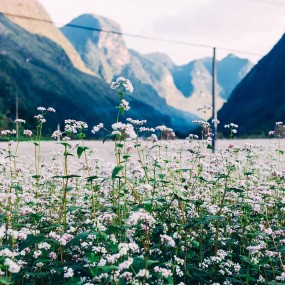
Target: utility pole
(17,114)
(58,128)
(214,111)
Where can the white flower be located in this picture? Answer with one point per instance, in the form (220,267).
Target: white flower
(124,105)
(136,122)
(42,109)
(28,133)
(52,255)
(68,272)
(164,272)
(124,129)
(167,239)
(2,231)
(122,83)
(8,132)
(56,134)
(50,109)
(6,252)
(126,264)
(13,267)
(143,273)
(37,253)
(141,216)
(20,121)
(44,245)
(97,128)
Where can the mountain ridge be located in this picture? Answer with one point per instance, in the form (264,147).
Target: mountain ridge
(25,11)
(155,69)
(260,92)
(48,78)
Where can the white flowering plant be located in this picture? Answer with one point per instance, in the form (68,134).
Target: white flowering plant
(161,211)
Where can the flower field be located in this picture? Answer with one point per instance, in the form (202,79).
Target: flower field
(161,211)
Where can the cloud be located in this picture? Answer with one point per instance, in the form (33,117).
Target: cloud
(222,21)
(238,24)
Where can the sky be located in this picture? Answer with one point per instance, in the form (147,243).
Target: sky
(253,26)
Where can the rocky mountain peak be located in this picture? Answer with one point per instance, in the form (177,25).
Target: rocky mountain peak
(162,58)
(103,52)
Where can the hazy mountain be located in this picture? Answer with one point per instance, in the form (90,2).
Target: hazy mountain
(104,53)
(40,72)
(230,71)
(33,9)
(258,100)
(195,83)
(185,87)
(161,58)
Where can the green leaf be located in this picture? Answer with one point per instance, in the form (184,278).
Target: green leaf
(65,144)
(138,264)
(108,268)
(246,259)
(170,280)
(247,277)
(210,218)
(183,169)
(91,178)
(122,281)
(31,240)
(156,165)
(126,156)
(4,280)
(264,261)
(236,190)
(179,195)
(78,238)
(108,137)
(150,262)
(116,171)
(66,177)
(36,176)
(73,281)
(68,154)
(161,175)
(81,149)
(67,189)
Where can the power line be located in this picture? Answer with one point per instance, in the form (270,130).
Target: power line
(133,35)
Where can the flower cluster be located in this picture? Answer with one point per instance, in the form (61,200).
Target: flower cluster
(122,84)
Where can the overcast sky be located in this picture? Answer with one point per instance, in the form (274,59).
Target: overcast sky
(247,25)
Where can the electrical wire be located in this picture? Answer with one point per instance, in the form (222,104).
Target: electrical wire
(133,35)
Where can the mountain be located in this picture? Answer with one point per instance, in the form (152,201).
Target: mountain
(39,71)
(28,9)
(258,100)
(104,53)
(185,88)
(195,83)
(230,71)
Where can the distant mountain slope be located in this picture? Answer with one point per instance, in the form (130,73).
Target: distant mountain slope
(40,72)
(230,71)
(185,87)
(33,9)
(258,100)
(105,54)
